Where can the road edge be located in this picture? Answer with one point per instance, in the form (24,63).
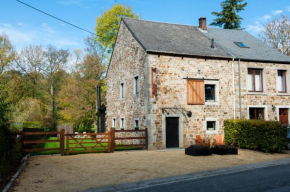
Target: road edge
(189,177)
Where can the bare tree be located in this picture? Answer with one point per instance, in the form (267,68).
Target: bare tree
(276,33)
(56,60)
(31,62)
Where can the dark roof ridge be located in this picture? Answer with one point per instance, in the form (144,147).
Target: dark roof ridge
(161,22)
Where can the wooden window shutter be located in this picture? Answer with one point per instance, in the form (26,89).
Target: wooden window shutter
(153,82)
(195,92)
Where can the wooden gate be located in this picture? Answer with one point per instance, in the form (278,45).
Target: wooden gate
(88,142)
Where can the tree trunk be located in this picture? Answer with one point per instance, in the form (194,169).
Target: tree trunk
(52,105)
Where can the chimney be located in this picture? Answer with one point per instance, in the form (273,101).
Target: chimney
(202,23)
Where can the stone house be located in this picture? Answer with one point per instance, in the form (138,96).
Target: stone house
(180,81)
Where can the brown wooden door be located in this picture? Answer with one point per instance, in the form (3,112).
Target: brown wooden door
(283,116)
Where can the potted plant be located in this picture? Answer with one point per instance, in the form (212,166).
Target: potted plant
(198,150)
(224,150)
(122,128)
(136,128)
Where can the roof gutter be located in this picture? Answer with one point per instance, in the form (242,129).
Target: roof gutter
(240,89)
(186,55)
(234,91)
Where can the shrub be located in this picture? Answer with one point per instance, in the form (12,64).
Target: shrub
(32,124)
(10,151)
(267,136)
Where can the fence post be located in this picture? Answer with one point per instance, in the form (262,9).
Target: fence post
(146,135)
(61,145)
(109,141)
(67,142)
(112,140)
(21,139)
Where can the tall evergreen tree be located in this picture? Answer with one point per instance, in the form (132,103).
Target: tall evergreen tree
(228,18)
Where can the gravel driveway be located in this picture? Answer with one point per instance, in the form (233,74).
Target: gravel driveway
(84,171)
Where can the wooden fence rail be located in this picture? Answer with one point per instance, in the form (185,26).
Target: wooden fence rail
(60,141)
(103,142)
(113,132)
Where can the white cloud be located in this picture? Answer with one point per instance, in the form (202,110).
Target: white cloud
(46,27)
(23,35)
(258,23)
(277,12)
(255,29)
(265,18)
(6,24)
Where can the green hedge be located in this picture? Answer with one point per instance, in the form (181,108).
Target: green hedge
(10,152)
(267,136)
(32,124)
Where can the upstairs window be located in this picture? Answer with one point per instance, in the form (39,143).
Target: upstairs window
(154,82)
(255,80)
(282,87)
(136,85)
(210,93)
(122,90)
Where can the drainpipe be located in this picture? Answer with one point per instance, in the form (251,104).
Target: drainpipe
(240,91)
(234,91)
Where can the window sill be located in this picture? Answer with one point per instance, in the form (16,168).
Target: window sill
(212,103)
(283,94)
(211,131)
(257,93)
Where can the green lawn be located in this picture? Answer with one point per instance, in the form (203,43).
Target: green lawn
(72,144)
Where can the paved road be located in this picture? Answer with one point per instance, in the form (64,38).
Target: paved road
(271,179)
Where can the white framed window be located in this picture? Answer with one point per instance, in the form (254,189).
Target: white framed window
(122,123)
(211,125)
(136,123)
(136,85)
(211,92)
(114,122)
(122,91)
(255,80)
(258,112)
(282,81)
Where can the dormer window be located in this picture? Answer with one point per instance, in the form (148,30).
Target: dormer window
(241,44)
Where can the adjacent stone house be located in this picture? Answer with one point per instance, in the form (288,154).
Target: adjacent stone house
(180,81)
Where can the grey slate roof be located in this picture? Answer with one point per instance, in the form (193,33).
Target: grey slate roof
(172,38)
(257,49)
(190,40)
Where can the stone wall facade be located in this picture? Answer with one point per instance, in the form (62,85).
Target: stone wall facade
(270,96)
(172,93)
(129,59)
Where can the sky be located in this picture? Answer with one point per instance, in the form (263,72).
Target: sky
(25,26)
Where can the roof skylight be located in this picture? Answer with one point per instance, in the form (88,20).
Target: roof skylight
(241,44)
